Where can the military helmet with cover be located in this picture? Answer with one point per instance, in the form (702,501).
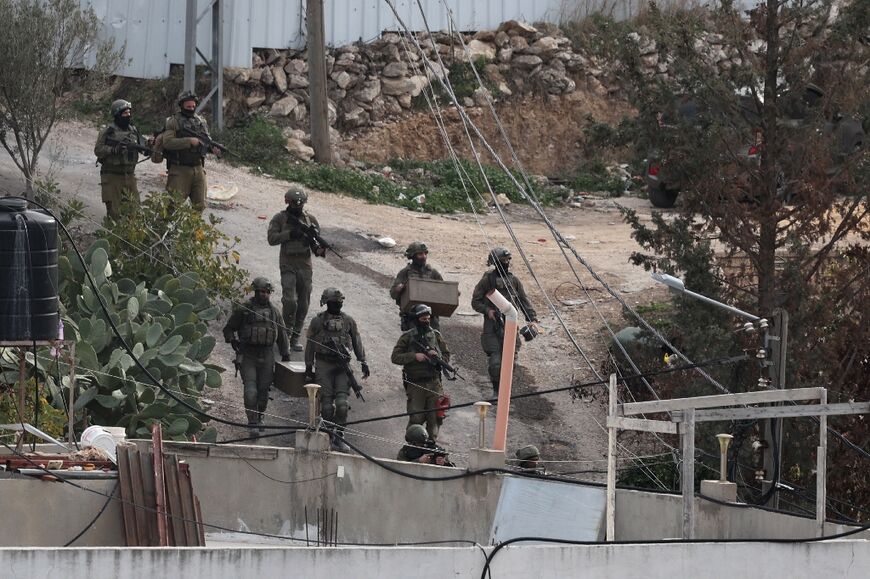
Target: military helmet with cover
(119,106)
(419,310)
(414,248)
(529,452)
(331,294)
(498,254)
(416,434)
(187,95)
(295,197)
(261,283)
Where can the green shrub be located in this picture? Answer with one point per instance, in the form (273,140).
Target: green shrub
(165,324)
(164,235)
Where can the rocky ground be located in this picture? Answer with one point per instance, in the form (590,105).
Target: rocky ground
(565,429)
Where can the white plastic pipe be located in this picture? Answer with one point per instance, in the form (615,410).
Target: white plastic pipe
(507,367)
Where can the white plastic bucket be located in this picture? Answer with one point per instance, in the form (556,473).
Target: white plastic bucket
(119,433)
(98,437)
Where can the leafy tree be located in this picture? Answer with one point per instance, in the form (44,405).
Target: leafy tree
(42,42)
(164,235)
(774,211)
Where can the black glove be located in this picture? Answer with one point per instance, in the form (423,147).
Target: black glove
(285,357)
(309,374)
(365,369)
(236,345)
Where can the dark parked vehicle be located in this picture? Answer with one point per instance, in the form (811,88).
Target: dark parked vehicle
(847,134)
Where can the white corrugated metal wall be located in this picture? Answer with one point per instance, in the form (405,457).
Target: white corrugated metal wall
(153,30)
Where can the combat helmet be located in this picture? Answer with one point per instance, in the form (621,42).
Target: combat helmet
(187,95)
(416,434)
(419,310)
(529,452)
(498,254)
(119,106)
(331,294)
(414,248)
(295,197)
(261,283)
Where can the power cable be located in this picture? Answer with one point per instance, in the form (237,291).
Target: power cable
(94,520)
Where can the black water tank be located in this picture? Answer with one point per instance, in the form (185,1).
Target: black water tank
(28,273)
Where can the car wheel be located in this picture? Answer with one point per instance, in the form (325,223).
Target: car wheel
(662,197)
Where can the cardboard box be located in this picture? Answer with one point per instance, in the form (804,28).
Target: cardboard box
(290,378)
(441,296)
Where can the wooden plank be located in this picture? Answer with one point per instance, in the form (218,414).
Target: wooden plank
(139,501)
(185,485)
(159,484)
(687,432)
(610,533)
(173,501)
(246,452)
(782,411)
(200,527)
(721,400)
(644,425)
(186,448)
(127,508)
(146,469)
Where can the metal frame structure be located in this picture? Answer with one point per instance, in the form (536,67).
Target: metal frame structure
(23,346)
(216,65)
(686,412)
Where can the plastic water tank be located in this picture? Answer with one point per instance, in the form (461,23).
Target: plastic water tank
(28,273)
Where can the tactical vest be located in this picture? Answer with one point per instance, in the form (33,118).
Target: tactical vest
(188,157)
(331,328)
(298,245)
(260,325)
(416,371)
(124,163)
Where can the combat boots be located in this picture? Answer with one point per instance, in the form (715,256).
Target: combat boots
(294,342)
(337,442)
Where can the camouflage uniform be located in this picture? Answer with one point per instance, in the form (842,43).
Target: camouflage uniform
(186,163)
(117,170)
(258,327)
(422,380)
(295,263)
(329,370)
(492,337)
(409,271)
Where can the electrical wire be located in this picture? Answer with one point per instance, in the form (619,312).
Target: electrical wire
(94,520)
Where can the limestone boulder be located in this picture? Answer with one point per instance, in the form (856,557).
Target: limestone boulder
(395,70)
(279,78)
(299,150)
(517,28)
(527,61)
(480,49)
(368,91)
(397,86)
(266,78)
(295,81)
(283,107)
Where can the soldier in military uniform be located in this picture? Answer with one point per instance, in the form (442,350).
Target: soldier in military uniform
(253,329)
(287,230)
(185,154)
(415,352)
(117,161)
(418,253)
(529,460)
(499,278)
(332,336)
(421,448)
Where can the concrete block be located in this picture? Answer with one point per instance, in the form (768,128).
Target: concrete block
(307,440)
(720,490)
(481,458)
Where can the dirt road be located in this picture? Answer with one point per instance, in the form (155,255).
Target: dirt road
(458,248)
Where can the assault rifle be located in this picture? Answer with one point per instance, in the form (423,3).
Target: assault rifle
(344,356)
(132,145)
(237,360)
(437,361)
(313,235)
(205,141)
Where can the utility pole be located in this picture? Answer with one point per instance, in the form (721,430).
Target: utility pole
(317,82)
(215,96)
(776,348)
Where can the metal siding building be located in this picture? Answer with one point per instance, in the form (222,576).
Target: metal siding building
(153,30)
